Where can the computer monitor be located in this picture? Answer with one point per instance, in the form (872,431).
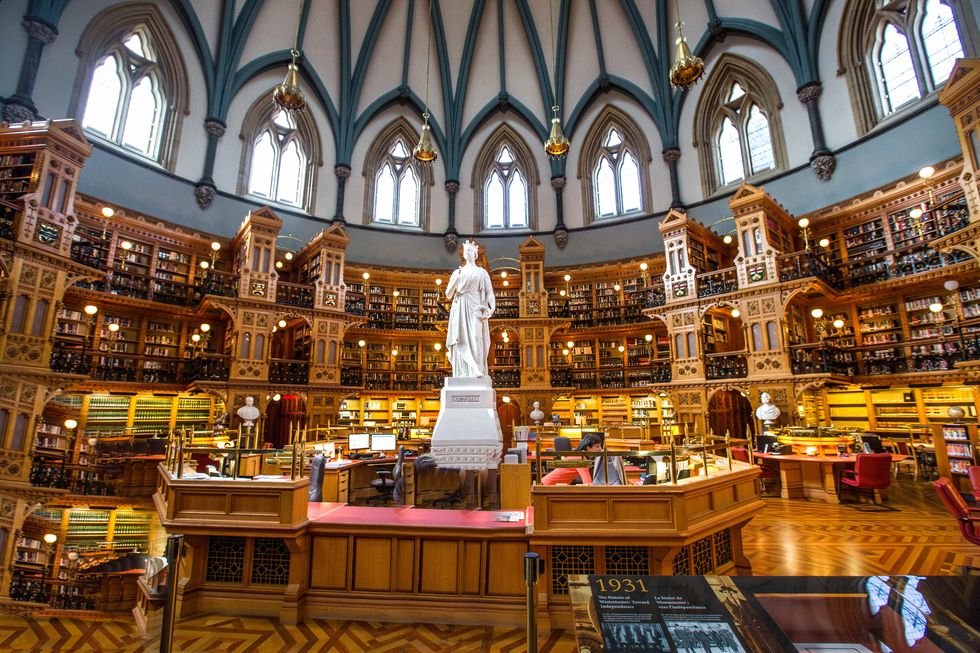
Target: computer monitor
(766,444)
(328,449)
(358,442)
(520,452)
(384,442)
(872,444)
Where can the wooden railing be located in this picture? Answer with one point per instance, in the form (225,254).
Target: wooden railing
(726,366)
(290,372)
(294,294)
(718,282)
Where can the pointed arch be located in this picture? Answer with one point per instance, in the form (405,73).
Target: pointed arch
(264,118)
(104,37)
(486,165)
(594,152)
(378,156)
(742,117)
(863,28)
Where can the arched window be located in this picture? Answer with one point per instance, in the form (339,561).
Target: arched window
(396,188)
(896,52)
(614,168)
(280,155)
(738,130)
(132,89)
(504,183)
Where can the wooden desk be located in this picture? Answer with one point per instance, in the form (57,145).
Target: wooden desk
(812,477)
(350,480)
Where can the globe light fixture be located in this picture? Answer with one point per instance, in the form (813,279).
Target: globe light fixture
(366,276)
(361,343)
(289,256)
(70,423)
(927,172)
(276,397)
(824,242)
(437,346)
(838,323)
(91,309)
(282,324)
(50,538)
(108,212)
(648,337)
(736,312)
(205,327)
(727,239)
(817,313)
(936,307)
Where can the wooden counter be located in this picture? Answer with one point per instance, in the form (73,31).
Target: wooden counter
(813,477)
(331,560)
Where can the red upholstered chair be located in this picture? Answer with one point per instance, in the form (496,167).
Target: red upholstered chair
(969,523)
(872,471)
(768,476)
(974,473)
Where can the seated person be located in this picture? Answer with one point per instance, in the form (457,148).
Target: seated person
(568,475)
(614,464)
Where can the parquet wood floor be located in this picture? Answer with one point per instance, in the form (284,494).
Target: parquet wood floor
(788,538)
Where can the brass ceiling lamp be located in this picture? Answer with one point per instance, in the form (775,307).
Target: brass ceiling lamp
(288,96)
(424,151)
(687,68)
(557,145)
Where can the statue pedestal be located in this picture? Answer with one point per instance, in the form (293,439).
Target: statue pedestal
(467,433)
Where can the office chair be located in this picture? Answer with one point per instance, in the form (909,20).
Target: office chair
(398,490)
(315,493)
(872,471)
(385,483)
(966,518)
(562,443)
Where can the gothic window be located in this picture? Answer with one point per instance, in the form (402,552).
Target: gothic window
(616,177)
(896,52)
(280,155)
(505,194)
(124,100)
(396,188)
(504,183)
(615,168)
(132,89)
(737,125)
(278,163)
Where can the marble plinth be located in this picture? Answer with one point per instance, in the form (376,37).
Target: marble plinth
(467,434)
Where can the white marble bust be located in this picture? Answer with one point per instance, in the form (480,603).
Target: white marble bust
(767,411)
(248,413)
(536,414)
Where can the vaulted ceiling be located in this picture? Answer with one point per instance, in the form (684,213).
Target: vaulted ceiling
(359,57)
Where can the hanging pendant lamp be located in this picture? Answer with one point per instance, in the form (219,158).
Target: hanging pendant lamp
(687,68)
(557,145)
(288,96)
(424,151)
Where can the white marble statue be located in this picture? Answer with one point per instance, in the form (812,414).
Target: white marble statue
(767,411)
(473,303)
(248,413)
(536,414)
